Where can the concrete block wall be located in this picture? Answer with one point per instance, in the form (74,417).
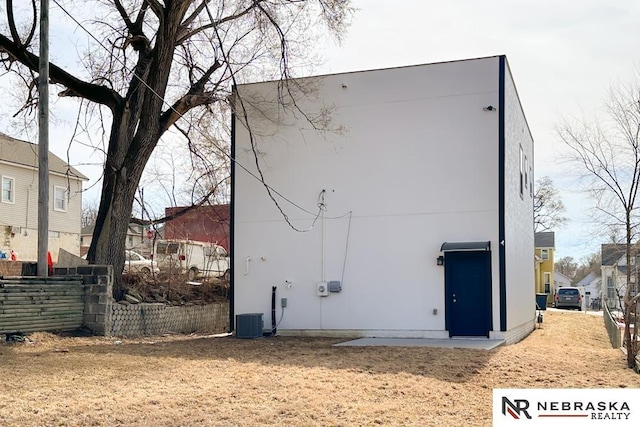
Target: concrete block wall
(136,320)
(98,297)
(104,316)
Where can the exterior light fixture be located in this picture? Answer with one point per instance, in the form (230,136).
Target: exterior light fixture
(440,260)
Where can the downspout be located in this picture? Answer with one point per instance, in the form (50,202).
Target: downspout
(501,193)
(273,310)
(324,238)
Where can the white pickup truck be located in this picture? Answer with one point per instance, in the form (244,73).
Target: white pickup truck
(196,259)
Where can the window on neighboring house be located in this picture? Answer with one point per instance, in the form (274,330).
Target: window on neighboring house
(8,185)
(547,283)
(544,253)
(611,291)
(59,199)
(521,172)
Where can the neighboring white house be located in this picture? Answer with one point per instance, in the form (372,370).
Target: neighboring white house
(614,273)
(19,201)
(412,218)
(592,290)
(559,280)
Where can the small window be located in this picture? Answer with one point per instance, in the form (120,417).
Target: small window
(526,172)
(530,181)
(59,199)
(611,291)
(544,253)
(521,172)
(547,283)
(8,189)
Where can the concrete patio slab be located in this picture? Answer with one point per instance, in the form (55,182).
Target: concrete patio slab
(474,343)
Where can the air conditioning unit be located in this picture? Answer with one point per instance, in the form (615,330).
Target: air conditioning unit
(249,325)
(322,289)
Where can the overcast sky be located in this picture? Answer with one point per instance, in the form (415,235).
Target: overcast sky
(564,55)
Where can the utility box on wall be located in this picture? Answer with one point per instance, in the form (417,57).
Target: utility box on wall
(249,325)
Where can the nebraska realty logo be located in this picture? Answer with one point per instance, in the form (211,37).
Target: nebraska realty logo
(573,407)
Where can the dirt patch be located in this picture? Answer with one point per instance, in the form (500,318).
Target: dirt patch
(208,381)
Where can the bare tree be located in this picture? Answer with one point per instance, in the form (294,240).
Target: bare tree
(609,154)
(154,67)
(89,214)
(591,263)
(547,206)
(567,266)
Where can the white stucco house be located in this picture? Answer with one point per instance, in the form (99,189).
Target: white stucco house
(411,217)
(19,201)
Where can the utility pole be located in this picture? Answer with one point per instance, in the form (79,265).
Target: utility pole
(43,142)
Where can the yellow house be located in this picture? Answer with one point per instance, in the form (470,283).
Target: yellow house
(544,270)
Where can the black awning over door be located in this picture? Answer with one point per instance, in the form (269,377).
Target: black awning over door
(465,246)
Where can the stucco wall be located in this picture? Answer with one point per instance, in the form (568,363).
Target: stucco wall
(414,163)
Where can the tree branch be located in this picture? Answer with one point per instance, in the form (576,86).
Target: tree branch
(214,23)
(180,212)
(12,24)
(195,97)
(75,87)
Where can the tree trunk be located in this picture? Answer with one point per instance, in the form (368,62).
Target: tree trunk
(128,154)
(631,353)
(135,133)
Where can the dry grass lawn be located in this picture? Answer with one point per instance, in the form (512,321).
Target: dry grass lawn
(205,381)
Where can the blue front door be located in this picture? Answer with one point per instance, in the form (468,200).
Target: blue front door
(467,281)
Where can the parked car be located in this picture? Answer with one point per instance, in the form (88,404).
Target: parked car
(196,259)
(134,263)
(568,297)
